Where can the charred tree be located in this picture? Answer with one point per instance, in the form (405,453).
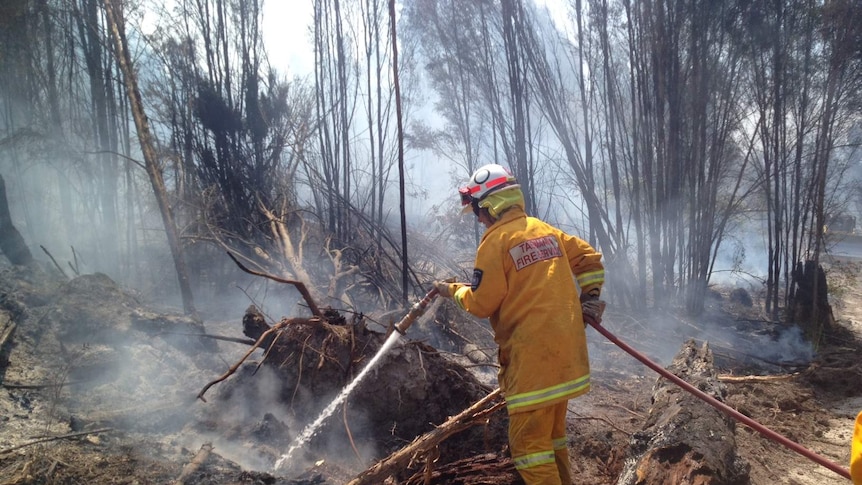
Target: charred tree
(11,242)
(809,301)
(405,267)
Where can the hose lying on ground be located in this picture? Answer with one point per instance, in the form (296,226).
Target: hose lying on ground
(733,413)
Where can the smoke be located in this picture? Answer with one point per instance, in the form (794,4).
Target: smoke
(244,414)
(741,260)
(743,345)
(253,424)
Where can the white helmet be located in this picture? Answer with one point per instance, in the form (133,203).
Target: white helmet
(486,179)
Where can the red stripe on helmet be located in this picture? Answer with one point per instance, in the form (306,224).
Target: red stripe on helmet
(497,181)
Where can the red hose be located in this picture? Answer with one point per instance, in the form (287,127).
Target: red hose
(721,406)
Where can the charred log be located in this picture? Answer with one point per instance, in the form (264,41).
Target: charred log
(192,467)
(684,439)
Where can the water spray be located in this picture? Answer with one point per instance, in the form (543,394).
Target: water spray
(417,310)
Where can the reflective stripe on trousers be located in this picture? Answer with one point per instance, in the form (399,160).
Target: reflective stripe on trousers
(537,440)
(524,399)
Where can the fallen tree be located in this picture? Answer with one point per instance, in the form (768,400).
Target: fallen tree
(684,439)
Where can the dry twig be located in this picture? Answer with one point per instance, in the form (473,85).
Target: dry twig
(744,379)
(54,438)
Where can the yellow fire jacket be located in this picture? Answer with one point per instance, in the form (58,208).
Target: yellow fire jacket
(523,282)
(856,453)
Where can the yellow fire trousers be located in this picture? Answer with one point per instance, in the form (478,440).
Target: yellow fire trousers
(537,440)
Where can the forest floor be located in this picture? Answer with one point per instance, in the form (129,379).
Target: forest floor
(98,387)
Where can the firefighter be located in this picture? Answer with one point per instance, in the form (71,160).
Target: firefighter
(535,283)
(856,453)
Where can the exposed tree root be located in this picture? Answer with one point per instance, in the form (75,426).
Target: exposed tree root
(275,328)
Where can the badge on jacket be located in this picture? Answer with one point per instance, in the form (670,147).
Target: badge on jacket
(477,279)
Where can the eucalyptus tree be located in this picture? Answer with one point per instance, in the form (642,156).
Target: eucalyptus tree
(103,100)
(841,37)
(350,170)
(781,51)
(449,40)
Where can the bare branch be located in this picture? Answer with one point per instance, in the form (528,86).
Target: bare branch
(312,305)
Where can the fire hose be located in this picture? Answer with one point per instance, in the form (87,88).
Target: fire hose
(415,312)
(724,408)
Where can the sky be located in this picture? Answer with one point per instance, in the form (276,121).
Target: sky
(286,26)
(286,32)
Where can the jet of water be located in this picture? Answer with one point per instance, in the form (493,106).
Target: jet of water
(309,430)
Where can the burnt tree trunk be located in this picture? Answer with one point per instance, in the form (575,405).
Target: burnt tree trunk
(809,302)
(11,242)
(685,440)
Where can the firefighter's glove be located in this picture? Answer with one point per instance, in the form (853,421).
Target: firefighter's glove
(442,288)
(592,308)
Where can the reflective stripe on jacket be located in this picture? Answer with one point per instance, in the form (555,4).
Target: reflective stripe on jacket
(523,282)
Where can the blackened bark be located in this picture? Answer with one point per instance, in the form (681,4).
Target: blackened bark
(11,242)
(685,440)
(809,300)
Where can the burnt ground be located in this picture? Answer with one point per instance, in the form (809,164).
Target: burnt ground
(100,387)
